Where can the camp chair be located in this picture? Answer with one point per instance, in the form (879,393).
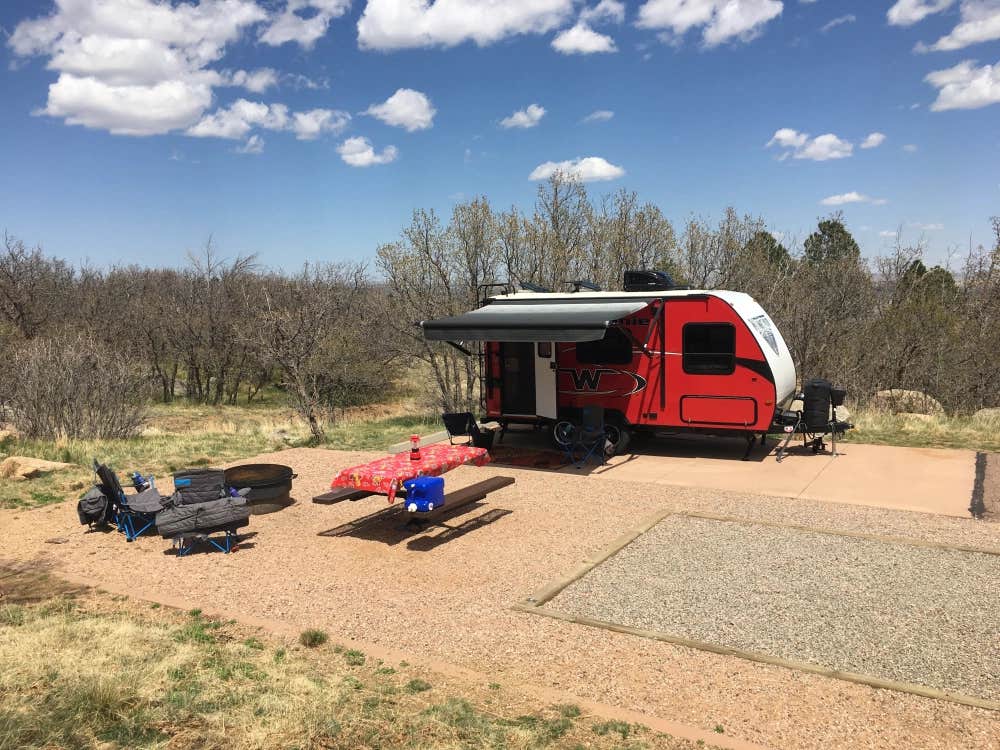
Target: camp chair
(132,514)
(816,419)
(186,542)
(588,438)
(463,424)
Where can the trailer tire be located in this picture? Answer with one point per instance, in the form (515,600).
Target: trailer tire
(619,436)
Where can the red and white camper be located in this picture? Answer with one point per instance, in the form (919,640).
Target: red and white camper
(660,360)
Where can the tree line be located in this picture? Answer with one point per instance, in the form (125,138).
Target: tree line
(332,335)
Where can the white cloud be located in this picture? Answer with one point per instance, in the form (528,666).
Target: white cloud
(873,140)
(254,145)
(583,40)
(839,21)
(309,125)
(910,148)
(589,169)
(242,116)
(528,117)
(722,20)
(405,109)
(965,86)
(358,152)
(853,197)
(399,24)
(134,67)
(612,11)
(889,233)
(258,81)
(598,115)
(909,12)
(980,23)
(802,146)
(303,22)
(927,227)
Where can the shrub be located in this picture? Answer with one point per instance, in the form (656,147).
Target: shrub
(312,638)
(73,386)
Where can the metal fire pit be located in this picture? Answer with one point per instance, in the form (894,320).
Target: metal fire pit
(270,485)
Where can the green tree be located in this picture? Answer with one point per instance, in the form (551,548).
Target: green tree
(831,242)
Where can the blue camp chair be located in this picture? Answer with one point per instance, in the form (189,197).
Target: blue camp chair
(588,438)
(184,543)
(134,515)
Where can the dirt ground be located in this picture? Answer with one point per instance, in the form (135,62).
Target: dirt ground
(443,598)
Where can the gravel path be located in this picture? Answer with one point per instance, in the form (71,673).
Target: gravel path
(893,611)
(445,596)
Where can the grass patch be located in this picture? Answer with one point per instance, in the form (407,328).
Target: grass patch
(922,431)
(312,638)
(354,658)
(184,681)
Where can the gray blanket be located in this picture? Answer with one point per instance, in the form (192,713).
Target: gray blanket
(177,520)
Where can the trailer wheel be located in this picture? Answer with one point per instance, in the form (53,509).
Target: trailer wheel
(618,437)
(561,433)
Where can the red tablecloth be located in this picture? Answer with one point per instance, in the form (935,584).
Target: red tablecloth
(386,475)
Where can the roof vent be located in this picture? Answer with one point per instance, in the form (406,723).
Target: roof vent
(648,281)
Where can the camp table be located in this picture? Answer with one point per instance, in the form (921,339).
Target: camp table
(386,475)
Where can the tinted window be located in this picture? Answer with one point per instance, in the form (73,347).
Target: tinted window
(614,349)
(709,348)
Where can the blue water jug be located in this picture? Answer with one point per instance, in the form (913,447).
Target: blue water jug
(424,494)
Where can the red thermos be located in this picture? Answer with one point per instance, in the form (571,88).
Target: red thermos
(414,447)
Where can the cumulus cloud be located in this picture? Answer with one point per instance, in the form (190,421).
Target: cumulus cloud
(242,116)
(588,169)
(303,22)
(873,140)
(853,197)
(612,11)
(927,227)
(400,24)
(720,20)
(528,117)
(134,67)
(909,12)
(802,146)
(965,86)
(582,40)
(405,109)
(980,23)
(598,115)
(359,152)
(258,81)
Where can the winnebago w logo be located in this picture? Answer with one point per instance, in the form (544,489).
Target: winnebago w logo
(590,382)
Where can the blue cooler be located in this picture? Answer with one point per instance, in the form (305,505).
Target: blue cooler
(424,494)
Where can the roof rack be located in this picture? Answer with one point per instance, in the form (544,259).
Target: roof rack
(529,287)
(579,284)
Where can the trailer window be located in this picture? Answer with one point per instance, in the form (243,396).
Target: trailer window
(614,349)
(709,348)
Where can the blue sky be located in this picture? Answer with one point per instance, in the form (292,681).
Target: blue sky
(310,130)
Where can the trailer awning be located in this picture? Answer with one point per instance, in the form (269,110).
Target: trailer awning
(533,321)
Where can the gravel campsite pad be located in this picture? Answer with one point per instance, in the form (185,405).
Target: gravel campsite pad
(893,611)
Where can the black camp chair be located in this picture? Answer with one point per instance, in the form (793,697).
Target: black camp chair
(463,424)
(134,515)
(588,438)
(816,419)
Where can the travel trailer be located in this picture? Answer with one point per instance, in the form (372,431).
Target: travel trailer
(657,359)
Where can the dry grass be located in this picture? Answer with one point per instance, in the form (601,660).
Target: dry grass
(91,670)
(180,435)
(918,430)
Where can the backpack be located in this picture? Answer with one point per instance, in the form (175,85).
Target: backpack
(93,508)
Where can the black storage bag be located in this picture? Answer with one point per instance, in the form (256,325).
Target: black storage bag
(193,486)
(93,508)
(147,501)
(816,403)
(229,512)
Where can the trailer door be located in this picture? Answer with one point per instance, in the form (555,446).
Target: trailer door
(545,379)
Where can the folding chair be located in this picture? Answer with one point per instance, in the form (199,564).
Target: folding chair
(134,515)
(816,419)
(588,437)
(186,542)
(463,424)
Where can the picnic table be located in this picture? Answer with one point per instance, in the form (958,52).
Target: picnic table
(386,475)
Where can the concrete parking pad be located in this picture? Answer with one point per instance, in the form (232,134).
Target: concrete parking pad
(918,616)
(926,480)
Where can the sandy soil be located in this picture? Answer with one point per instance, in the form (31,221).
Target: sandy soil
(444,596)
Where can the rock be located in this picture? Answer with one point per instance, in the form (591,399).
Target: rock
(912,402)
(7,434)
(22,467)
